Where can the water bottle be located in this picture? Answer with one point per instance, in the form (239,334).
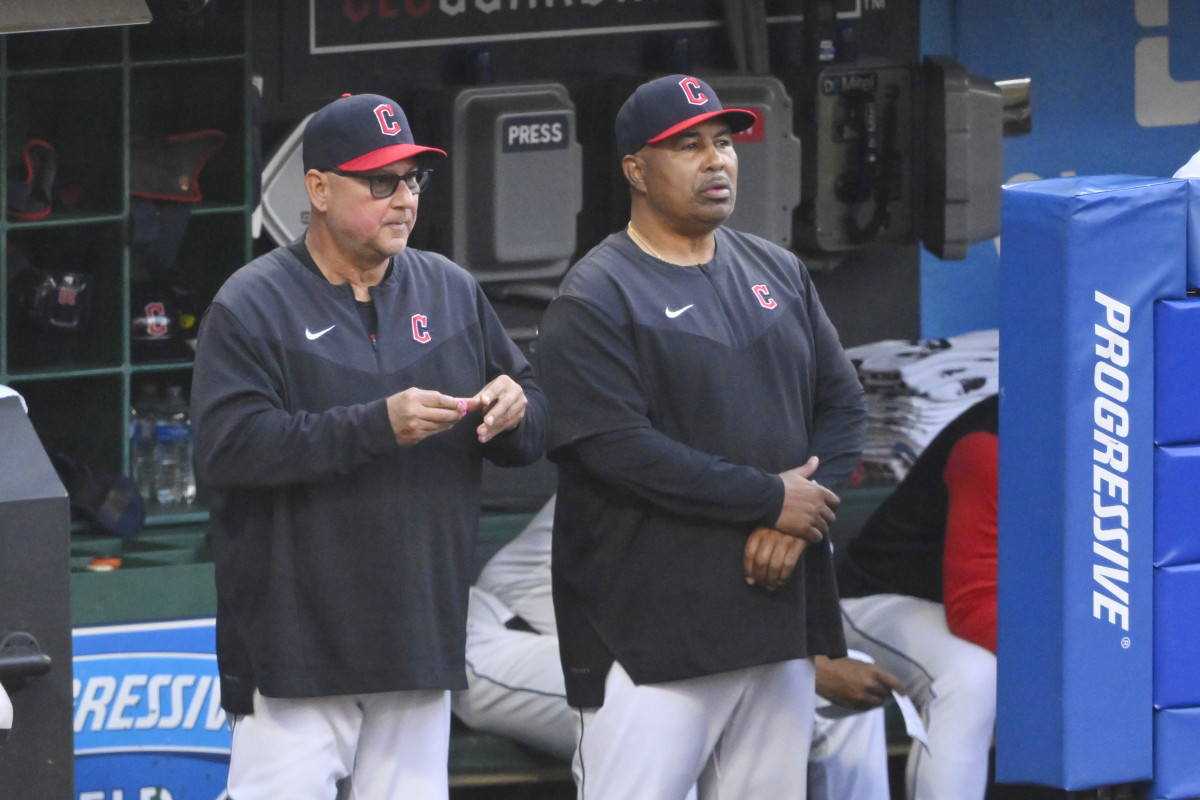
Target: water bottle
(174,479)
(143,417)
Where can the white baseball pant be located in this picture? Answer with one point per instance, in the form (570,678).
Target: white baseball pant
(393,746)
(516,690)
(952,682)
(723,733)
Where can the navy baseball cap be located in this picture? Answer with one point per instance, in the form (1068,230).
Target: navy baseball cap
(665,106)
(358,133)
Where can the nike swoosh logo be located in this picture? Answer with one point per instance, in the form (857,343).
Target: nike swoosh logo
(318,334)
(673,314)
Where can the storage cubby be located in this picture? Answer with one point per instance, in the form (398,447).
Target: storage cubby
(211,252)
(81,417)
(66,287)
(80,118)
(165,110)
(121,108)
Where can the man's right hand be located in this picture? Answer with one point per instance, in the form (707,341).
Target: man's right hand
(807,506)
(855,684)
(416,414)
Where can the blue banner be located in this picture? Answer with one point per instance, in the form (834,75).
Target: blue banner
(147,713)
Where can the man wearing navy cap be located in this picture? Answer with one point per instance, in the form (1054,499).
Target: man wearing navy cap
(703,417)
(346,387)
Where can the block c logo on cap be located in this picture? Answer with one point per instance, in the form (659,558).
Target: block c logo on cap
(695,94)
(387,119)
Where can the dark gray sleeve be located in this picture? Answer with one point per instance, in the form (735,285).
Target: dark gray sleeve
(245,437)
(839,408)
(525,443)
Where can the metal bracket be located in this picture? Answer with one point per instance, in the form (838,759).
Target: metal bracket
(21,657)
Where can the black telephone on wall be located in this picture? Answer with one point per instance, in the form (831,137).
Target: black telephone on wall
(873,169)
(898,154)
(857,174)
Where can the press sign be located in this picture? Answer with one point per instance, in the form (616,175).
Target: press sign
(528,132)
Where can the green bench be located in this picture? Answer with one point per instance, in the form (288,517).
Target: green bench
(484,759)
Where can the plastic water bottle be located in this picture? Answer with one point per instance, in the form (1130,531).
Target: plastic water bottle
(143,417)
(174,479)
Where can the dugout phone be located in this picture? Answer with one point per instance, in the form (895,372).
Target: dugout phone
(517,181)
(858,164)
(900,153)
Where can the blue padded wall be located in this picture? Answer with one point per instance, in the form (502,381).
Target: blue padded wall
(1176,504)
(1177,538)
(1193,234)
(1177,377)
(1083,261)
(1176,744)
(1177,637)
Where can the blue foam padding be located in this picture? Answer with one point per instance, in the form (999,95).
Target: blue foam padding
(1176,505)
(1177,371)
(1177,637)
(1082,262)
(1193,268)
(1176,746)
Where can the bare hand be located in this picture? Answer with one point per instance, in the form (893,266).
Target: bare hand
(502,403)
(855,684)
(416,414)
(807,506)
(770,557)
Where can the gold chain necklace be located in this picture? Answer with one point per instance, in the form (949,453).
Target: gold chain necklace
(641,242)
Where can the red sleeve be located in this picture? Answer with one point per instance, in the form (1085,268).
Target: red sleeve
(969,567)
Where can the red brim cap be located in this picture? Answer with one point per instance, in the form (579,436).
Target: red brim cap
(739,119)
(390,155)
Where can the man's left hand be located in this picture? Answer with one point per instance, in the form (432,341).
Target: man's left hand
(770,557)
(502,403)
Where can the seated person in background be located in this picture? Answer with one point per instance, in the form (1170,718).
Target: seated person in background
(1191,169)
(918,589)
(516,680)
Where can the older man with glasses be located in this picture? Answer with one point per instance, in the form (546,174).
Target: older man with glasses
(346,388)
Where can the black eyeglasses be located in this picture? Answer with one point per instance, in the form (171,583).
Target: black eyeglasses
(385,184)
